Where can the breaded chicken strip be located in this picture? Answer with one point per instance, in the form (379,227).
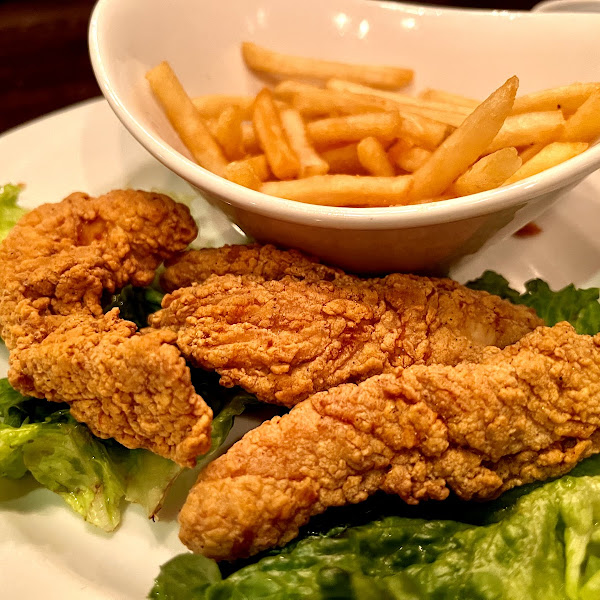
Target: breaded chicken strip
(262,261)
(286,339)
(55,266)
(61,257)
(131,387)
(525,413)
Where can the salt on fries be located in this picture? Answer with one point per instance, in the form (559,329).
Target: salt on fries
(344,135)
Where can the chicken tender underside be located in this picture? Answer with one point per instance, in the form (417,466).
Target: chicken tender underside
(288,338)
(528,412)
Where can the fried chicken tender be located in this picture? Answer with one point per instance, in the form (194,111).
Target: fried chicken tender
(262,261)
(55,266)
(525,413)
(288,338)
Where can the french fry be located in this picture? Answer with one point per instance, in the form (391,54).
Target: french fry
(330,102)
(423,131)
(274,63)
(487,173)
(399,147)
(584,124)
(211,106)
(343,160)
(242,173)
(343,143)
(449,98)
(310,162)
(462,147)
(373,158)
(260,165)
(528,128)
(401,99)
(343,190)
(353,128)
(551,155)
(528,152)
(185,119)
(412,158)
(229,132)
(450,114)
(271,137)
(250,141)
(567,98)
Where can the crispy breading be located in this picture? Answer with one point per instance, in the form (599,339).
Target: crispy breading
(61,257)
(131,387)
(525,413)
(286,339)
(55,266)
(262,261)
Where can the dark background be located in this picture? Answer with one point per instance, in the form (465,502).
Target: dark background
(44,62)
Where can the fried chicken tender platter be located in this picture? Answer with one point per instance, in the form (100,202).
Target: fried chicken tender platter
(414,386)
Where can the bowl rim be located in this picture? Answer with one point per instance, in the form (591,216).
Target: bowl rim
(372,218)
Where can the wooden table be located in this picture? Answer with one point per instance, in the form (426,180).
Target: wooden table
(44,62)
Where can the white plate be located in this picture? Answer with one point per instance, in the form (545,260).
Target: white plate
(45,549)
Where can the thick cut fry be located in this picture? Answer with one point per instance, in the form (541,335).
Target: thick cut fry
(567,98)
(460,150)
(528,128)
(412,158)
(353,128)
(343,160)
(584,124)
(212,105)
(242,173)
(373,158)
(229,132)
(310,162)
(185,119)
(487,173)
(272,139)
(449,98)
(275,63)
(343,190)
(550,156)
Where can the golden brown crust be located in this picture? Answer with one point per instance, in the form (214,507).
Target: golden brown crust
(286,339)
(261,261)
(528,412)
(54,267)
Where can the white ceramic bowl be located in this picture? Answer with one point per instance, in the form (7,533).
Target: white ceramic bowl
(465,51)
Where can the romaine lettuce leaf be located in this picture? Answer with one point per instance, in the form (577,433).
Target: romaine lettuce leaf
(578,306)
(544,546)
(64,456)
(93,476)
(10,213)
